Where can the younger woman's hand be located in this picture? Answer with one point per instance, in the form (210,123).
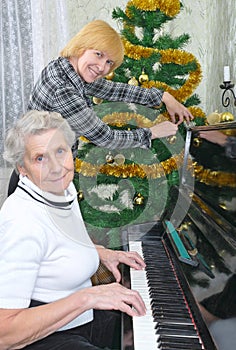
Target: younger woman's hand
(176,110)
(163,129)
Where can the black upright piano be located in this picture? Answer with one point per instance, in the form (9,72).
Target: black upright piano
(190,264)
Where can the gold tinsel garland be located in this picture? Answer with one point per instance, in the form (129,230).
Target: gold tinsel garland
(214,178)
(142,171)
(167,56)
(120,119)
(170,7)
(155,171)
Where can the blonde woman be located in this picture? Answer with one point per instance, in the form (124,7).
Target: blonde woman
(67,84)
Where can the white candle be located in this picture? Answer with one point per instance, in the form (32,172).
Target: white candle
(226,73)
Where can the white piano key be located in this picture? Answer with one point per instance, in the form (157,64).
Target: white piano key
(144,326)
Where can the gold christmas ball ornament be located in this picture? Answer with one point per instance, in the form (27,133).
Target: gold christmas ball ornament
(119,159)
(80,195)
(109,158)
(97,101)
(110,76)
(213,118)
(197,142)
(171,139)
(226,117)
(133,81)
(143,78)
(138,199)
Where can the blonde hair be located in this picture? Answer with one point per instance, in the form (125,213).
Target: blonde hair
(96,35)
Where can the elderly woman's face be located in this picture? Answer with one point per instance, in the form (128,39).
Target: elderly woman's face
(48,161)
(92,65)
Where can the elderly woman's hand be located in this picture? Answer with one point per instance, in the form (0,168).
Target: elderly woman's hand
(112,258)
(176,110)
(114,296)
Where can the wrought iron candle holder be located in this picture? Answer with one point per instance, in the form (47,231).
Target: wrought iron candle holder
(227,86)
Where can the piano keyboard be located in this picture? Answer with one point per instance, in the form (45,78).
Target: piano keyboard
(168,324)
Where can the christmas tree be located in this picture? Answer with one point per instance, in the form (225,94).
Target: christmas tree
(124,187)
(153,59)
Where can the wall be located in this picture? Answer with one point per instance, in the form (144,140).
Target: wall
(211,25)
(221,49)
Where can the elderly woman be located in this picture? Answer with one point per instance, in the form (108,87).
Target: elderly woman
(46,256)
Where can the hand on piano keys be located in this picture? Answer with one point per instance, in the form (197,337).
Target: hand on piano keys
(113,258)
(114,296)
(168,323)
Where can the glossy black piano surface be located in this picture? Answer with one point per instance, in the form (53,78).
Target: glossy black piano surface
(208,231)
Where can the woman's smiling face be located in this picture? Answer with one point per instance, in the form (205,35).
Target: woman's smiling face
(92,65)
(48,161)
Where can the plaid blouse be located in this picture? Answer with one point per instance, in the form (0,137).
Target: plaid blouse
(61,89)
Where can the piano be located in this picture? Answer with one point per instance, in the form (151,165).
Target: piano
(188,264)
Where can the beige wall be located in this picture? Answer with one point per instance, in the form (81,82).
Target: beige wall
(212,28)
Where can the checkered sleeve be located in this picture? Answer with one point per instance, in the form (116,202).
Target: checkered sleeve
(85,122)
(112,91)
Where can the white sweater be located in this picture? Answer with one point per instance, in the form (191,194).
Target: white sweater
(45,251)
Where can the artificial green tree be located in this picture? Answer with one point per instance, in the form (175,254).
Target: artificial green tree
(156,59)
(140,185)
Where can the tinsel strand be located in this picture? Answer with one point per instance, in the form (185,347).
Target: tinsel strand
(167,56)
(170,7)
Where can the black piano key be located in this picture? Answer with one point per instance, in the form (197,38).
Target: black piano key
(162,278)
(176,326)
(178,339)
(175,299)
(169,313)
(162,283)
(184,320)
(179,347)
(164,289)
(167,301)
(162,303)
(169,308)
(175,332)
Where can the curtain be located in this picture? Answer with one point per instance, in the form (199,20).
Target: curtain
(32,32)
(16,64)
(50,30)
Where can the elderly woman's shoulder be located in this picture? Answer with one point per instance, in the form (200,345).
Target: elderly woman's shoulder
(19,207)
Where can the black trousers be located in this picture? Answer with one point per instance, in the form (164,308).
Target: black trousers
(102,333)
